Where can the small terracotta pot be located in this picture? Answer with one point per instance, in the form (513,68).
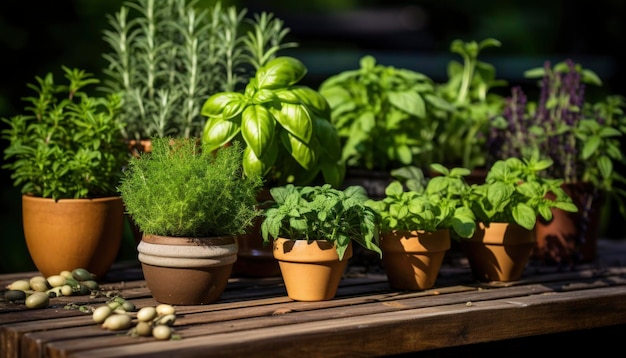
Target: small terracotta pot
(73,233)
(187,271)
(311,271)
(412,259)
(499,252)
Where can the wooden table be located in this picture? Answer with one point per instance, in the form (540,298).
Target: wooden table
(254,317)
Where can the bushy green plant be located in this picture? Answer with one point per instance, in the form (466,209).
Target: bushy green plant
(180,190)
(168,56)
(435,205)
(322,213)
(461,138)
(383,115)
(285,126)
(67,143)
(515,192)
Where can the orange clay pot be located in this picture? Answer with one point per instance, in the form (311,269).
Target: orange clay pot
(412,259)
(499,252)
(311,271)
(73,233)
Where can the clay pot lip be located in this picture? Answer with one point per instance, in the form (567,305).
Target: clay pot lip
(300,250)
(416,240)
(507,234)
(28,197)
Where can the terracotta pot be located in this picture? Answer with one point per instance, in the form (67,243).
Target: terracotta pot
(311,271)
(499,252)
(187,271)
(571,237)
(412,259)
(73,233)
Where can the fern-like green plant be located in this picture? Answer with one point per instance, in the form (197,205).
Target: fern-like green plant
(168,57)
(322,213)
(180,190)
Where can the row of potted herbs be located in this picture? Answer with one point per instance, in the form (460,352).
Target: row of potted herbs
(70,145)
(192,205)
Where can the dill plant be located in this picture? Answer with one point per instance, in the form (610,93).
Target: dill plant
(180,190)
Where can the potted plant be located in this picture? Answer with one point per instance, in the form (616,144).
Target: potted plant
(167,57)
(416,224)
(507,207)
(287,134)
(66,154)
(190,204)
(461,139)
(385,117)
(583,139)
(313,228)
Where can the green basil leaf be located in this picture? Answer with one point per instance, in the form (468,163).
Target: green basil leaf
(313,100)
(218,132)
(280,72)
(257,128)
(215,105)
(296,120)
(409,102)
(299,150)
(328,138)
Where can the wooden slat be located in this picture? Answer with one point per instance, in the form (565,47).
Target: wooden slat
(254,317)
(397,332)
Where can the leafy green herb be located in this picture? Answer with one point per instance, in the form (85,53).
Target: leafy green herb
(286,127)
(322,213)
(67,144)
(431,207)
(180,190)
(462,136)
(382,114)
(515,192)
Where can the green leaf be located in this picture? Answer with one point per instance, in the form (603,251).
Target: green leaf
(296,120)
(409,102)
(299,150)
(216,105)
(218,132)
(280,72)
(590,146)
(258,128)
(525,216)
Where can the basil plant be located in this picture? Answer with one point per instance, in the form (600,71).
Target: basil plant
(286,127)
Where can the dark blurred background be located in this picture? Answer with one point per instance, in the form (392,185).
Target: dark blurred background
(37,37)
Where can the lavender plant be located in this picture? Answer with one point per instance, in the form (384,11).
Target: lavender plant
(581,138)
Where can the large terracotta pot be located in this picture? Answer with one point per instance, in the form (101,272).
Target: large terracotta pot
(187,271)
(311,271)
(412,259)
(499,252)
(73,233)
(571,237)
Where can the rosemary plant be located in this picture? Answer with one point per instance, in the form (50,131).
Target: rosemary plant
(168,57)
